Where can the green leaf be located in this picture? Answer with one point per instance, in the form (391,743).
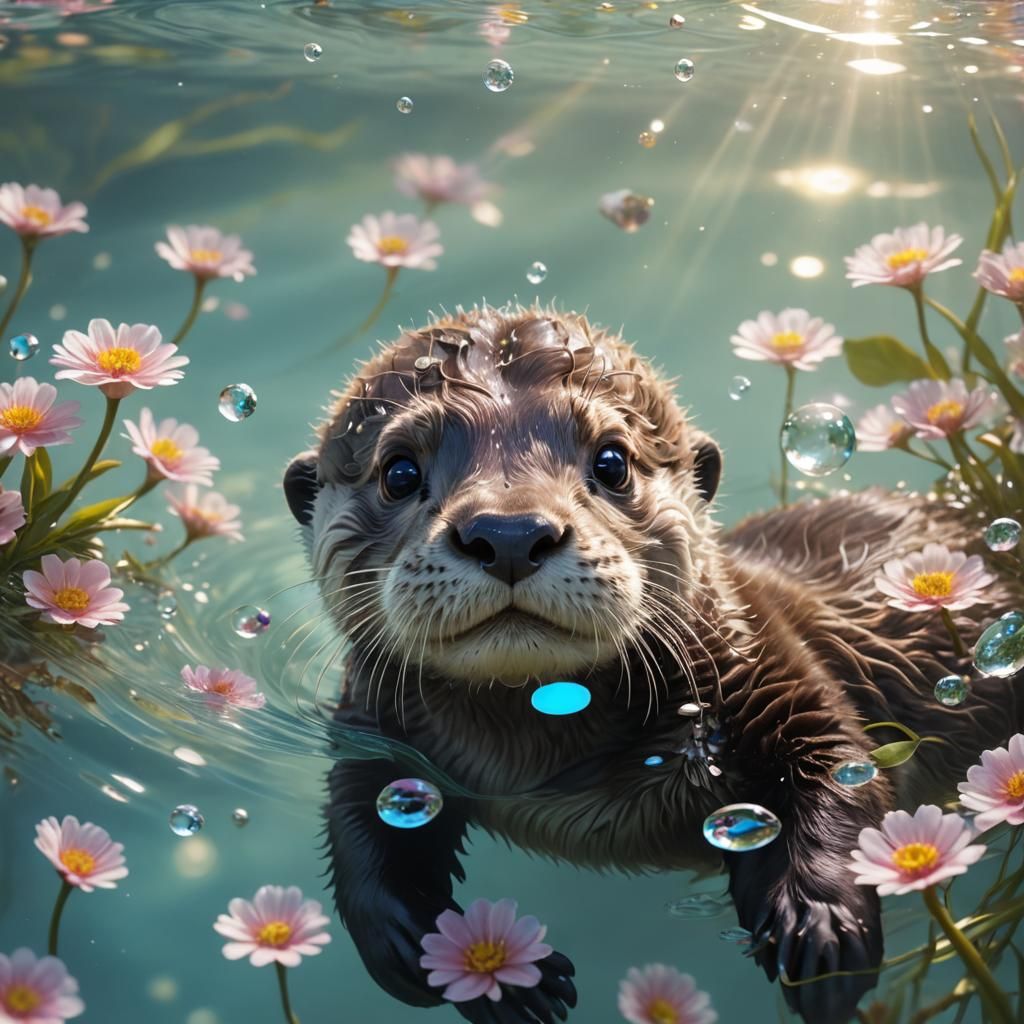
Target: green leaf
(882,360)
(93,514)
(906,730)
(98,469)
(892,754)
(43,473)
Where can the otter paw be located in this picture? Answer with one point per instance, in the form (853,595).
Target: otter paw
(542,1004)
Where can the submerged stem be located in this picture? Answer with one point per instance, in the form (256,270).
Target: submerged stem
(58,909)
(958,643)
(190,319)
(389,287)
(28,246)
(282,982)
(936,359)
(784,479)
(97,449)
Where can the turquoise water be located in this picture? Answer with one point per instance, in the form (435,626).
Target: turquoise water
(775,160)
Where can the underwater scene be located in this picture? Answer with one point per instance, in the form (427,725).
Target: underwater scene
(511,510)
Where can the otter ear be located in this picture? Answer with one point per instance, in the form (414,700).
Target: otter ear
(301,486)
(707,466)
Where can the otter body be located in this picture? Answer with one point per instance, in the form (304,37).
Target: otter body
(504,499)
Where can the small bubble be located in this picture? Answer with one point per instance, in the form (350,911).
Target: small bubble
(741,827)
(404,105)
(854,773)
(654,760)
(167,604)
(23,346)
(312,52)
(676,21)
(240,816)
(58,312)
(738,387)
(249,621)
(818,439)
(3,284)
(684,69)
(101,261)
(237,402)
(1002,534)
(409,803)
(499,75)
(952,690)
(1000,648)
(560,698)
(647,139)
(185,820)
(536,273)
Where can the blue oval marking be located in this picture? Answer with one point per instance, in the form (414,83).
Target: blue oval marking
(560,698)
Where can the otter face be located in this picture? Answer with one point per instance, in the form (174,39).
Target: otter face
(505,497)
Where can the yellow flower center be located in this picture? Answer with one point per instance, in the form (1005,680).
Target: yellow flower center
(787,339)
(392,245)
(915,858)
(933,584)
(166,450)
(275,933)
(119,360)
(512,15)
(661,1011)
(20,418)
(948,408)
(37,215)
(206,255)
(222,686)
(22,999)
(1017,275)
(72,599)
(484,957)
(1015,786)
(78,861)
(903,258)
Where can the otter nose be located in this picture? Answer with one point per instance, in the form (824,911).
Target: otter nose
(509,548)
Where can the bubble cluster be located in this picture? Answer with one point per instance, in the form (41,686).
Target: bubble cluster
(312,52)
(854,773)
(738,387)
(23,346)
(237,402)
(1002,534)
(951,690)
(1000,648)
(741,827)
(536,272)
(684,69)
(499,75)
(818,439)
(185,820)
(404,105)
(560,698)
(409,803)
(249,621)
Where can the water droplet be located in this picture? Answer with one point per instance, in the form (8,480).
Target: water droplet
(741,827)
(626,209)
(739,936)
(654,760)
(684,69)
(186,820)
(536,273)
(738,387)
(647,139)
(3,284)
(952,690)
(676,21)
(818,439)
(237,402)
(312,52)
(1000,649)
(249,621)
(700,905)
(560,698)
(409,803)
(1002,534)
(854,773)
(689,710)
(23,346)
(167,604)
(499,75)
(240,816)
(404,105)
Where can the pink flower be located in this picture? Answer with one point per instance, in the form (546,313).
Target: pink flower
(473,954)
(791,337)
(277,926)
(396,240)
(74,592)
(880,428)
(657,994)
(12,514)
(205,252)
(118,362)
(84,855)
(224,685)
(494,30)
(1002,273)
(438,179)
(1015,354)
(934,578)
(36,212)
(29,419)
(903,258)
(171,449)
(212,515)
(36,991)
(938,408)
(995,788)
(913,852)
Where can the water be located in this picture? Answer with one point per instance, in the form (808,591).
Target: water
(773,140)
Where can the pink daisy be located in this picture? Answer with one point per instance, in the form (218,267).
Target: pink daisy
(903,258)
(934,578)
(37,990)
(277,926)
(12,514)
(880,429)
(791,337)
(1002,273)
(29,419)
(171,449)
(438,179)
(496,31)
(118,362)
(224,686)
(473,954)
(36,212)
(396,240)
(995,788)
(74,592)
(212,515)
(83,854)
(657,994)
(938,408)
(913,851)
(1015,354)
(205,252)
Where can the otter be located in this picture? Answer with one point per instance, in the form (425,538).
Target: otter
(508,497)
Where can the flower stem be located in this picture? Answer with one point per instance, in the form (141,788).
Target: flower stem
(58,909)
(389,287)
(28,246)
(286,1005)
(197,302)
(958,644)
(996,1000)
(940,368)
(170,556)
(784,479)
(97,449)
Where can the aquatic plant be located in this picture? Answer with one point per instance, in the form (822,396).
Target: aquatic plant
(659,994)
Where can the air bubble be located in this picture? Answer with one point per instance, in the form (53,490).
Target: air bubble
(499,76)
(237,402)
(952,690)
(684,69)
(167,604)
(240,816)
(536,272)
(185,820)
(1002,534)
(818,439)
(249,621)
(312,52)
(1000,648)
(738,387)
(741,827)
(23,346)
(409,803)
(854,773)
(626,209)
(404,105)
(647,139)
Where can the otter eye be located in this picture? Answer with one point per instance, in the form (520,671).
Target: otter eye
(402,478)
(611,467)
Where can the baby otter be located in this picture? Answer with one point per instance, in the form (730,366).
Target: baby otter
(507,497)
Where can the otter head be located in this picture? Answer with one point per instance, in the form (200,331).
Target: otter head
(505,496)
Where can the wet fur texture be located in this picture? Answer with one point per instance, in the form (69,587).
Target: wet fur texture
(775,625)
